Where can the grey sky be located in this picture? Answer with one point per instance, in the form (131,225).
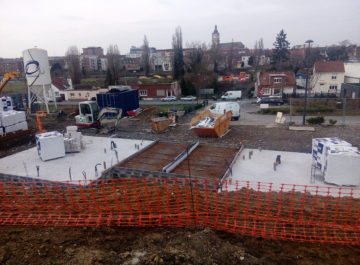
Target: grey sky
(55,25)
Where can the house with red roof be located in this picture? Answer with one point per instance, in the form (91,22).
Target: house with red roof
(275,83)
(327,77)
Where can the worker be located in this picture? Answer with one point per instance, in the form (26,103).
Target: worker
(278,159)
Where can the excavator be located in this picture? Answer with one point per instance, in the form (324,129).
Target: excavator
(6,78)
(90,115)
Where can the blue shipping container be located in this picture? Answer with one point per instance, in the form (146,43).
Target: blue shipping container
(125,100)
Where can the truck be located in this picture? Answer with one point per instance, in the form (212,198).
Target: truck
(232,95)
(223,107)
(108,108)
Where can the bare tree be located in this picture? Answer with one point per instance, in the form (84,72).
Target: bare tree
(258,52)
(198,74)
(73,61)
(178,60)
(114,65)
(146,56)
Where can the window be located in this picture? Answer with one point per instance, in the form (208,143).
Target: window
(333,77)
(267,91)
(160,93)
(277,80)
(143,93)
(72,94)
(79,94)
(333,87)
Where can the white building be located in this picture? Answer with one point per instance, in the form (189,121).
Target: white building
(162,60)
(352,73)
(328,77)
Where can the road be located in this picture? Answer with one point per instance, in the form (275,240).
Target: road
(248,113)
(248,116)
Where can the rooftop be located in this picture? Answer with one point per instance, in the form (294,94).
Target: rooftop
(329,67)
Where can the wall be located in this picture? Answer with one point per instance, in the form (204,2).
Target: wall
(326,80)
(159,90)
(84,94)
(350,91)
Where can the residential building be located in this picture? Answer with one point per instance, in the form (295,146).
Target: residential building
(60,87)
(93,51)
(327,77)
(93,60)
(131,64)
(85,92)
(352,72)
(350,90)
(161,60)
(158,90)
(11,65)
(275,83)
(301,80)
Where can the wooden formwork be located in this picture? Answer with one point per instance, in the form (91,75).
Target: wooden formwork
(208,161)
(159,125)
(221,124)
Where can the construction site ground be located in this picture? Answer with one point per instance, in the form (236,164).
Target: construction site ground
(171,246)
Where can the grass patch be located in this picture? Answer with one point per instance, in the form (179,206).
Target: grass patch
(94,81)
(175,107)
(15,87)
(299,110)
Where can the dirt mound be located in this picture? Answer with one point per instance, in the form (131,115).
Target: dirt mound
(158,246)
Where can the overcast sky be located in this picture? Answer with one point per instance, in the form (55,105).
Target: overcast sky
(55,25)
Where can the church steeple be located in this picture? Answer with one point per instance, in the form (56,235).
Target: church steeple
(215,37)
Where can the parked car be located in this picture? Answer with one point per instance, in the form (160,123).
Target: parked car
(188,98)
(271,101)
(169,98)
(232,95)
(222,107)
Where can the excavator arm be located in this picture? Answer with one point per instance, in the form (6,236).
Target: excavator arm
(7,77)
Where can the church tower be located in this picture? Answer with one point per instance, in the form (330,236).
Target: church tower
(215,37)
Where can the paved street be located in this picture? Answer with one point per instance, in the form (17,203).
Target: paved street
(249,117)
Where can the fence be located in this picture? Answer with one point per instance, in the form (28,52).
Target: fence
(336,109)
(285,212)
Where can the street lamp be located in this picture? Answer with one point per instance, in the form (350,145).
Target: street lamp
(307,64)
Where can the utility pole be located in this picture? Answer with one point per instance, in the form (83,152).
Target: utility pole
(307,64)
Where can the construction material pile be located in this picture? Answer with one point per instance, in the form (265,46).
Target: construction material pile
(208,124)
(10,119)
(338,160)
(52,145)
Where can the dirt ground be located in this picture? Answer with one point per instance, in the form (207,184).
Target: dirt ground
(158,246)
(169,246)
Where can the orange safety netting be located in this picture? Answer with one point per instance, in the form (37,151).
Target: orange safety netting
(286,212)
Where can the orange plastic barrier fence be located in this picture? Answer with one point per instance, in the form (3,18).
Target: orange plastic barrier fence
(279,212)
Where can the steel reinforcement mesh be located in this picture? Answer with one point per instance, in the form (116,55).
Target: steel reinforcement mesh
(279,212)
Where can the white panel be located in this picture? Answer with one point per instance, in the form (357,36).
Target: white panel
(343,169)
(50,145)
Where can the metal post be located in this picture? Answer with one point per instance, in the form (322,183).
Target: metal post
(344,110)
(291,110)
(305,99)
(307,62)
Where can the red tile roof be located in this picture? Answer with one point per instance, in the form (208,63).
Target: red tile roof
(329,67)
(267,78)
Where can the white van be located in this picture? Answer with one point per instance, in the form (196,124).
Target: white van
(232,95)
(222,107)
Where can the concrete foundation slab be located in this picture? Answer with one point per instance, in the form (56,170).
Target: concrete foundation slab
(97,151)
(295,169)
